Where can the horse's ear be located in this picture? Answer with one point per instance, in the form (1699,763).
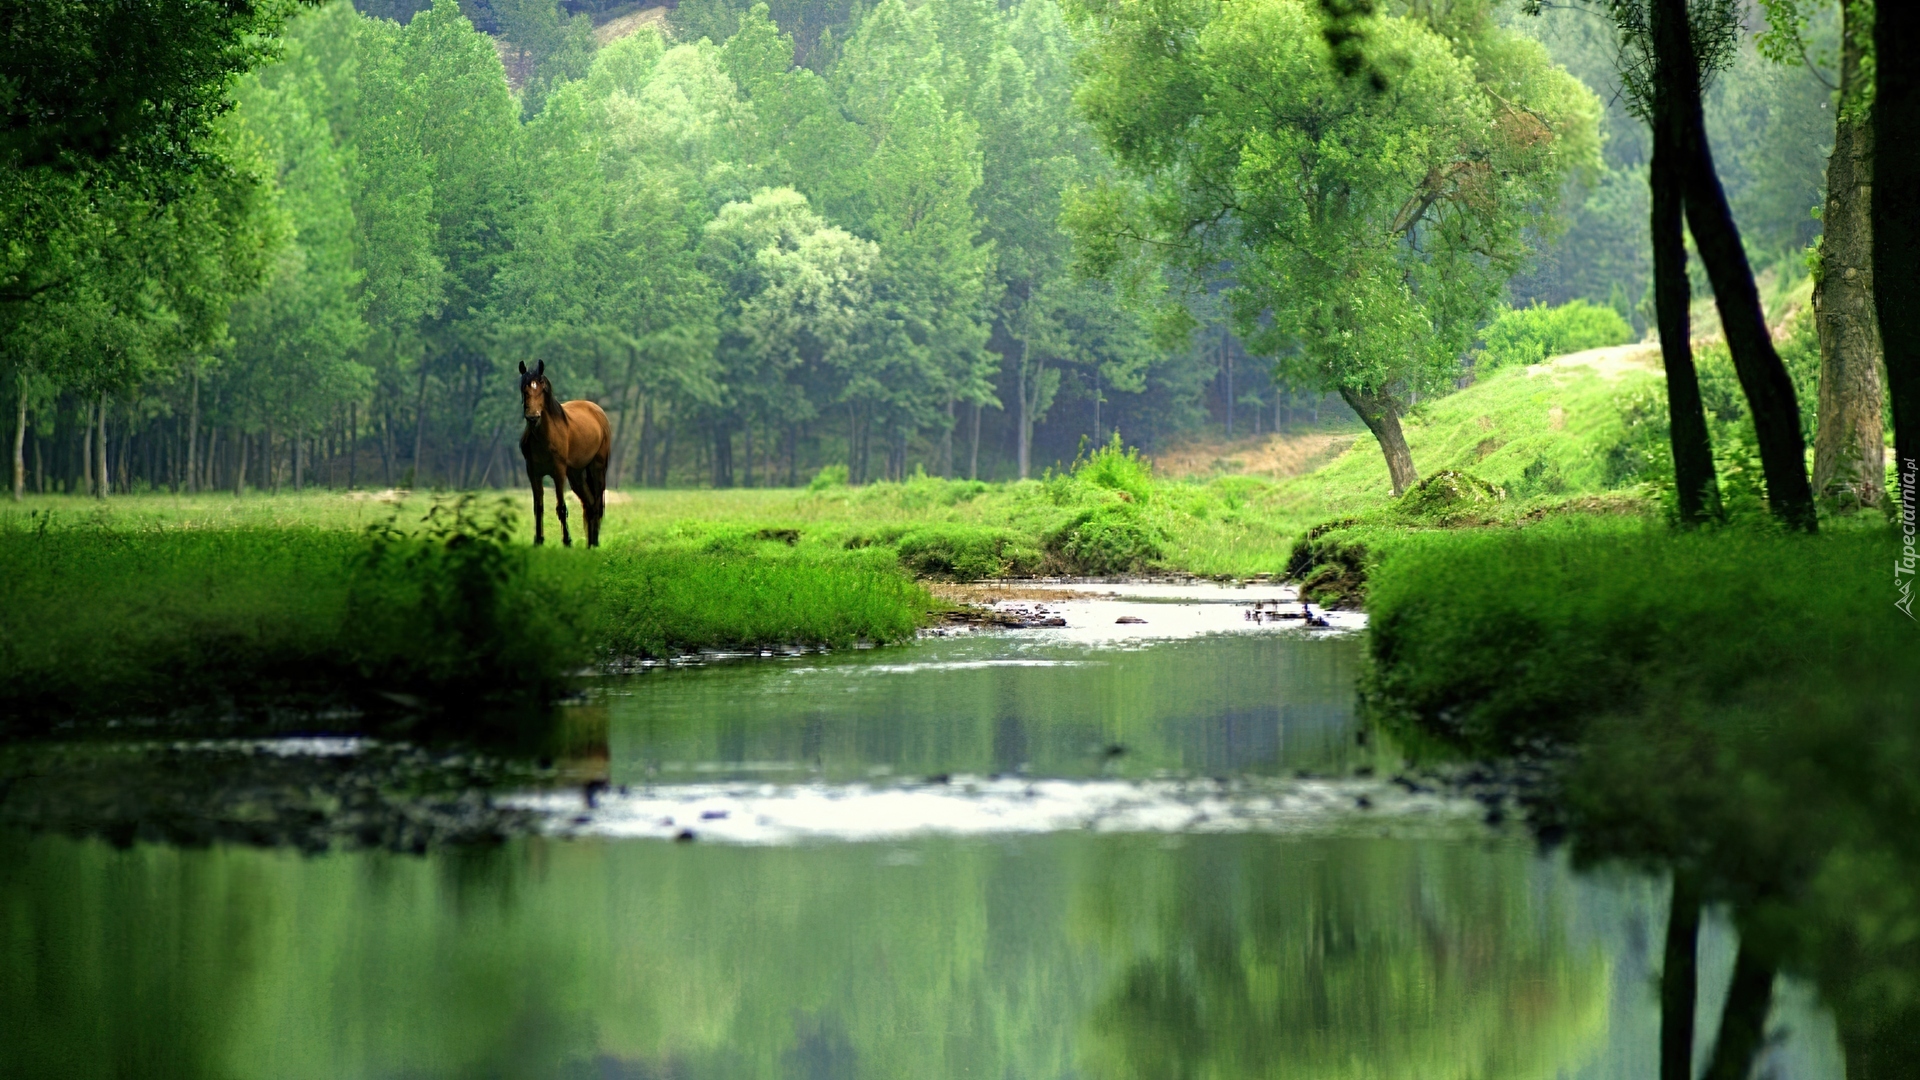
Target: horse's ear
(523,367)
(541,369)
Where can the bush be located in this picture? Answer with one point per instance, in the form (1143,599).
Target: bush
(828,478)
(1532,334)
(1112,538)
(1119,468)
(967,553)
(1329,567)
(1450,496)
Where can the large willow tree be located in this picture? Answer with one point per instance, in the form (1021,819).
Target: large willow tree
(1362,227)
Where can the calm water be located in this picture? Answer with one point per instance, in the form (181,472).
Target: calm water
(1328,941)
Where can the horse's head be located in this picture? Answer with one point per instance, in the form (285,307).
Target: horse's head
(536,393)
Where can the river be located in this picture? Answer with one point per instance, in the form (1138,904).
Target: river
(1146,849)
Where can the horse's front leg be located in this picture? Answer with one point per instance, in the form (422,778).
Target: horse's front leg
(539,509)
(560,503)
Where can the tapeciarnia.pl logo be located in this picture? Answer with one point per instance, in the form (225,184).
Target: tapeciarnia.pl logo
(1903,567)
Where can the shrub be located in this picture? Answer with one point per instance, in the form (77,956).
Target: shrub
(1117,467)
(964,553)
(1330,568)
(1529,335)
(1112,538)
(828,478)
(1449,496)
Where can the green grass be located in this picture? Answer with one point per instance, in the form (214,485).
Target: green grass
(663,602)
(448,612)
(1736,702)
(1543,434)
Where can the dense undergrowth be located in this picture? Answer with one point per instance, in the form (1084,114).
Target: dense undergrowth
(1734,704)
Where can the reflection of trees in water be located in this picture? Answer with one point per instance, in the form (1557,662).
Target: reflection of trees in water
(1044,956)
(1343,959)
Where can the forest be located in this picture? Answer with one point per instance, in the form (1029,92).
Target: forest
(772,241)
(1141,538)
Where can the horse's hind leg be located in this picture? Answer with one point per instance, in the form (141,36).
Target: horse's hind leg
(594,499)
(540,510)
(561,481)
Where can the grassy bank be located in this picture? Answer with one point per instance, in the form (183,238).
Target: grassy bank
(1735,705)
(449,611)
(1543,434)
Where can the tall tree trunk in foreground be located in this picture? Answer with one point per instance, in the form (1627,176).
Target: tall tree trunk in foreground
(1849,445)
(1769,390)
(1679,979)
(1896,219)
(1381,413)
(1696,488)
(1743,1023)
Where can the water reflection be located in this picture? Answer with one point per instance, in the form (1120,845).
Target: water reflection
(1223,705)
(1055,956)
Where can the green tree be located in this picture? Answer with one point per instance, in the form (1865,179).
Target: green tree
(292,351)
(1369,230)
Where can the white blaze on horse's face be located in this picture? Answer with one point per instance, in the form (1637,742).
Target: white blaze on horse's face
(533,400)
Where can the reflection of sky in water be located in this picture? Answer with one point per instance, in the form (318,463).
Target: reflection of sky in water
(1197,691)
(963,806)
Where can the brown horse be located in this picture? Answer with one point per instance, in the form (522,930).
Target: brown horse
(570,443)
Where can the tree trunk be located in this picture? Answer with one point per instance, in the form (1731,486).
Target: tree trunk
(1743,1023)
(722,455)
(420,433)
(240,441)
(1679,979)
(946,441)
(270,481)
(973,452)
(1029,403)
(105,475)
(20,441)
(1381,413)
(1896,220)
(1226,365)
(86,450)
(193,435)
(386,448)
(1696,488)
(1769,390)
(353,444)
(1849,446)
(666,451)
